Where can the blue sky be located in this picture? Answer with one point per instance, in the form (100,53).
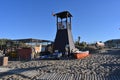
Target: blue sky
(93,20)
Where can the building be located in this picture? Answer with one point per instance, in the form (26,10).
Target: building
(113,43)
(38,44)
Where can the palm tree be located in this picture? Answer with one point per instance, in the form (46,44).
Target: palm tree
(78,39)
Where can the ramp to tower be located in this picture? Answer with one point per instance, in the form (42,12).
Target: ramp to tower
(70,38)
(61,40)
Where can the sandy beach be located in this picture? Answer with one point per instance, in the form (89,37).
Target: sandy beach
(98,66)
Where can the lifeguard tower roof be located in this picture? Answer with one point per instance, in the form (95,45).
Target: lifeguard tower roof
(63,14)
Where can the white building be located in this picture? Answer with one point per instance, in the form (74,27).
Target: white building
(113,43)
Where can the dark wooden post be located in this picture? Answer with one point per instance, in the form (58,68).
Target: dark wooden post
(57,22)
(66,19)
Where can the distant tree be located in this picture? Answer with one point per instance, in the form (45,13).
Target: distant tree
(79,39)
(3,43)
(22,44)
(83,44)
(49,48)
(80,46)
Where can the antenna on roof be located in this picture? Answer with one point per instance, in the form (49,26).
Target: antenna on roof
(53,13)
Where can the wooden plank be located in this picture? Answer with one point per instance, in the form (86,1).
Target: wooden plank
(99,77)
(40,77)
(79,76)
(58,76)
(70,77)
(48,76)
(53,76)
(92,77)
(118,77)
(95,77)
(82,76)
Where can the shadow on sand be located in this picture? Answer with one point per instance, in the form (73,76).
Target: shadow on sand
(114,67)
(114,71)
(20,71)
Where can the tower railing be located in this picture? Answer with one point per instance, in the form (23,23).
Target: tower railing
(64,25)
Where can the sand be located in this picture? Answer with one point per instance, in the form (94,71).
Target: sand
(106,64)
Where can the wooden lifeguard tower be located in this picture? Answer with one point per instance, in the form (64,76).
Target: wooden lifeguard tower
(63,35)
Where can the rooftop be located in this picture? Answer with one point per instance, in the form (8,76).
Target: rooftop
(29,40)
(63,14)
